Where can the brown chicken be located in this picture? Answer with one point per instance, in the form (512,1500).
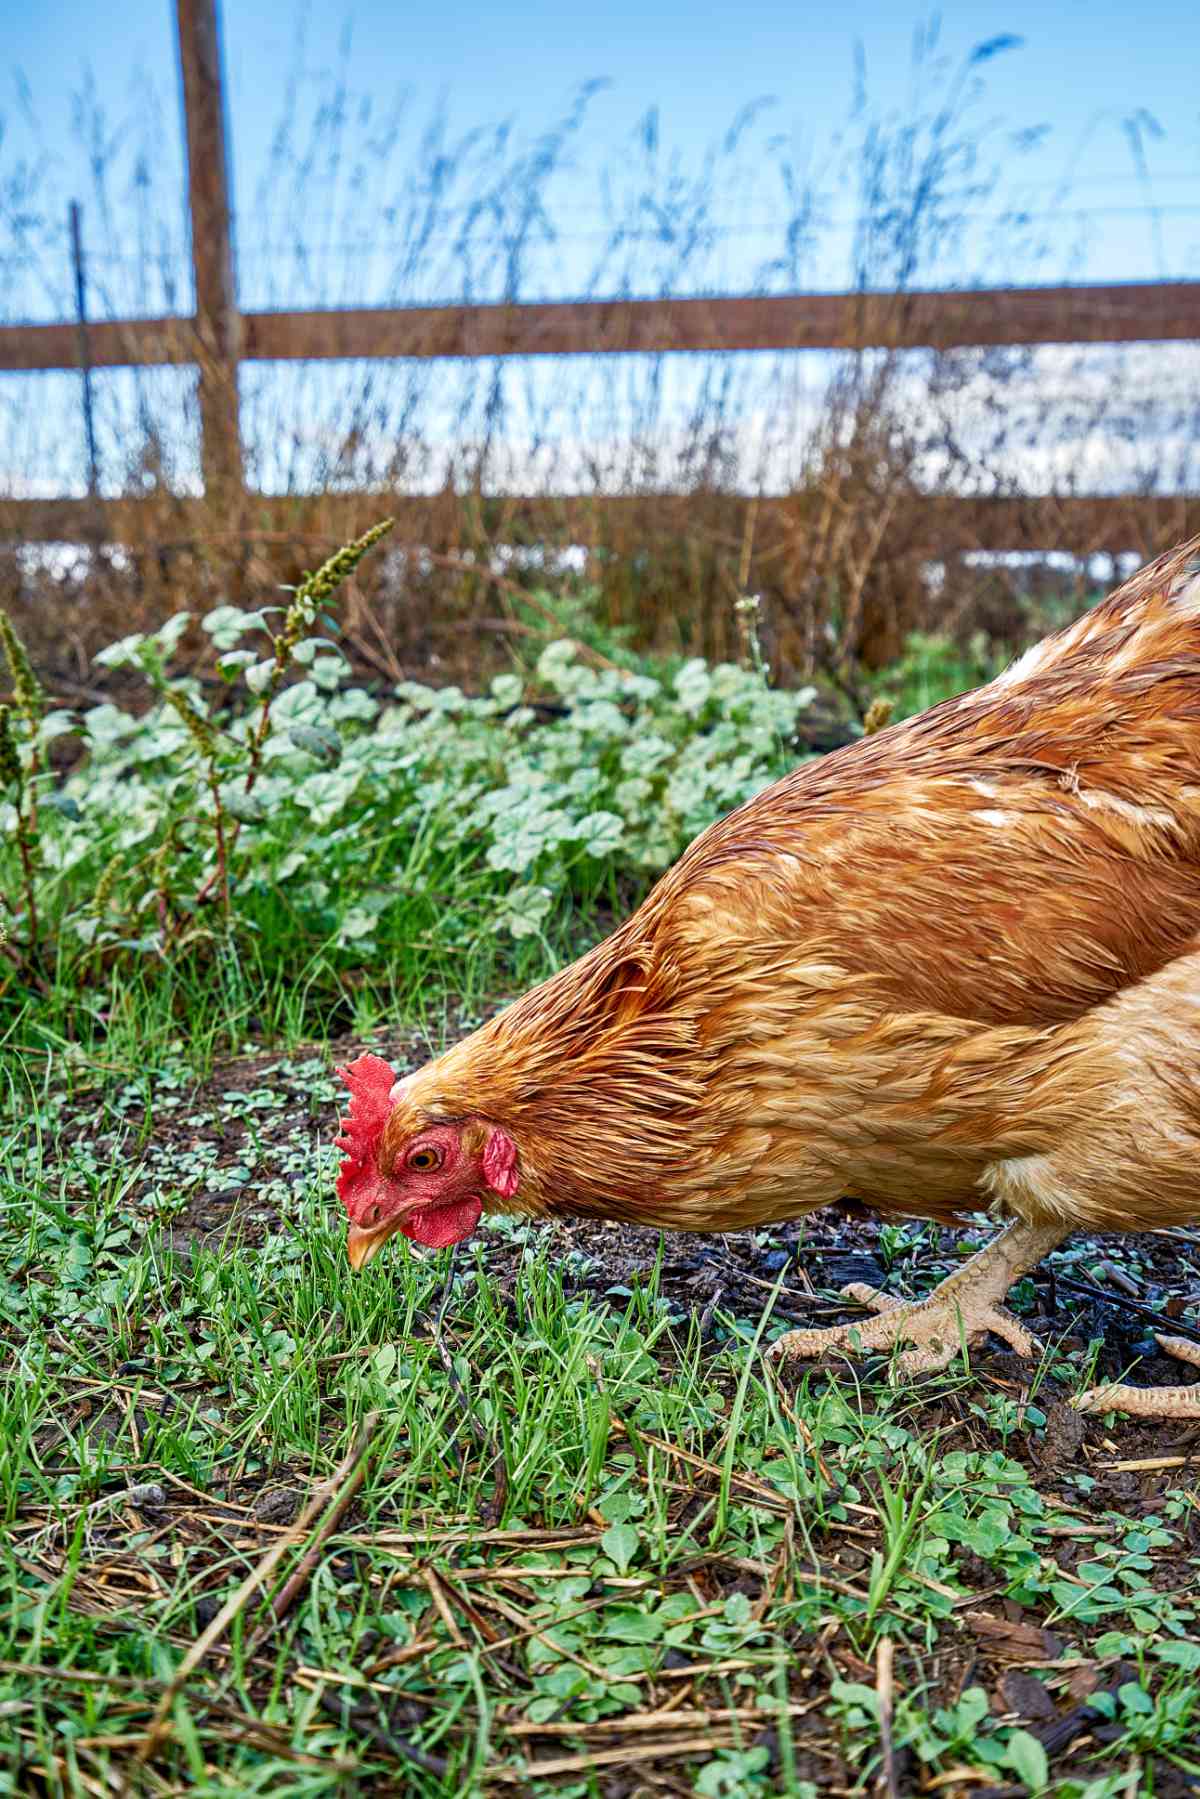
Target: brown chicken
(954,965)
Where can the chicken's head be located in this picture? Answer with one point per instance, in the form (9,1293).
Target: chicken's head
(427,1179)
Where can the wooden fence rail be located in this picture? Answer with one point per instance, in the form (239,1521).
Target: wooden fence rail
(1116,314)
(1133,312)
(945,525)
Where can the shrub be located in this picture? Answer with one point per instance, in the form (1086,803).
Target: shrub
(306,816)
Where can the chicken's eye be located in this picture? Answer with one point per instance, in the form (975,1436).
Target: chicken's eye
(424,1161)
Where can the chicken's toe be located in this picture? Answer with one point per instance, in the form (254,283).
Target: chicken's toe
(865,1337)
(1182,1403)
(871,1297)
(1141,1402)
(1184,1349)
(1001,1322)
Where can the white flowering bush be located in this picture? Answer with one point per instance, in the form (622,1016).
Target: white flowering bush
(311,817)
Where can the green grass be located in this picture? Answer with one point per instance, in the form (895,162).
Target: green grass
(425,970)
(576,1509)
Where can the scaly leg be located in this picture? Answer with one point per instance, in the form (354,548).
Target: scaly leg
(1149,1402)
(968,1303)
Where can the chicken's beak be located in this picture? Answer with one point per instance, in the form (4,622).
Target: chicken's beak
(362,1245)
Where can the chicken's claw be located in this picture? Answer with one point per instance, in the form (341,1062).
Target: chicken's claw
(937,1329)
(1177,1403)
(960,1311)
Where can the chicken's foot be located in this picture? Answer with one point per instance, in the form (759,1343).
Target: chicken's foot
(967,1304)
(1177,1403)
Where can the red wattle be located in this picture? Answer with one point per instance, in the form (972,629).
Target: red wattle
(437,1227)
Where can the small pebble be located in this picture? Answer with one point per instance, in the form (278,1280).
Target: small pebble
(148,1493)
(279,1506)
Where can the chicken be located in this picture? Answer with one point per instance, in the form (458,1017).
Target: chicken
(952,966)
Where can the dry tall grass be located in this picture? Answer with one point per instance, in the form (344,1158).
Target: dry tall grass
(802,477)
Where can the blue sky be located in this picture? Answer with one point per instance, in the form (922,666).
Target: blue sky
(1082,69)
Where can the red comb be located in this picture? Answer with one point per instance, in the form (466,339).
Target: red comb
(370,1081)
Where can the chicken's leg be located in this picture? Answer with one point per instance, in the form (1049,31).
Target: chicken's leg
(968,1303)
(1149,1402)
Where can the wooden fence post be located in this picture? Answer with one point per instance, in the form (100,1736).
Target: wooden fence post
(218,322)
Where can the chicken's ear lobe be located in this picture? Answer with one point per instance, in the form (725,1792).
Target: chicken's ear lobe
(500,1164)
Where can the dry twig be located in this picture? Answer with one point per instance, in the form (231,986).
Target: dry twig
(349,1472)
(885,1687)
